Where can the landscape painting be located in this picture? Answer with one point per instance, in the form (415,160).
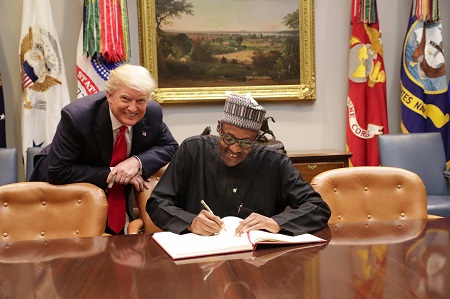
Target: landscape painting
(199,49)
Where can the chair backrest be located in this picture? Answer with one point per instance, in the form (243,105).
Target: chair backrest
(8,162)
(141,200)
(372,193)
(45,250)
(379,232)
(39,210)
(31,152)
(421,153)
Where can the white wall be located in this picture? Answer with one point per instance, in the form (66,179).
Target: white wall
(299,125)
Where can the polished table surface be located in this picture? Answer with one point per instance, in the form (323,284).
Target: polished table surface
(398,259)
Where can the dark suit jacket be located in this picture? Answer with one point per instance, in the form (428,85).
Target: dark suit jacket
(81,149)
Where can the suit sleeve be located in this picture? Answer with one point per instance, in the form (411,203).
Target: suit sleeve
(161,151)
(65,153)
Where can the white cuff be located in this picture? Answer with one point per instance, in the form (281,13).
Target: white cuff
(140,165)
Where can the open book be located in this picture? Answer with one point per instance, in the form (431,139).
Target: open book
(256,258)
(192,245)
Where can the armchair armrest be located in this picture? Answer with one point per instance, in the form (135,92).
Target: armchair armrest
(135,226)
(144,223)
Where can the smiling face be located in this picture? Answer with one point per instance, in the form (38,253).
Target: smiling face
(128,105)
(233,154)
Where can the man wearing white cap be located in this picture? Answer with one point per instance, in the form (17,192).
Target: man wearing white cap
(235,177)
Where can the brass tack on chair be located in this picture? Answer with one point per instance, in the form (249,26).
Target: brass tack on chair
(5,204)
(402,214)
(77,231)
(369,216)
(5,235)
(399,186)
(79,201)
(42,233)
(366,188)
(43,203)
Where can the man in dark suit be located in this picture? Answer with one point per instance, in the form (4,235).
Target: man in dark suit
(82,148)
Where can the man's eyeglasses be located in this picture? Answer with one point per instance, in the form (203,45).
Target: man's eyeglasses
(230,140)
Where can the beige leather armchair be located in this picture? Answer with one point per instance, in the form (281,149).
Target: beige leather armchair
(39,210)
(364,194)
(144,222)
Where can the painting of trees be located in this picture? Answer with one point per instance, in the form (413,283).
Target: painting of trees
(166,10)
(220,57)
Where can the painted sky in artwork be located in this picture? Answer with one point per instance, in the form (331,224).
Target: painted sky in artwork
(235,15)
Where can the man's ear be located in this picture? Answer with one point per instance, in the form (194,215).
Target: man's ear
(108,97)
(219,126)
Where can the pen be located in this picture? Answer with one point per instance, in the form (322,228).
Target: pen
(209,210)
(206,206)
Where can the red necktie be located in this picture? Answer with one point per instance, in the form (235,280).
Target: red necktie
(116,194)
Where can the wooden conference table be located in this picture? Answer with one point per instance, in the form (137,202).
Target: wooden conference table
(398,259)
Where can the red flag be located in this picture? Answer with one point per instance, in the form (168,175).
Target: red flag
(366,102)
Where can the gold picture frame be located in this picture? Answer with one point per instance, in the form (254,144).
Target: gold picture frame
(305,90)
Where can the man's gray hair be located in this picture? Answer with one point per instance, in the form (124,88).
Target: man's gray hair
(132,76)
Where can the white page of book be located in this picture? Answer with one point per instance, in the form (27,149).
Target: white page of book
(193,245)
(259,236)
(190,245)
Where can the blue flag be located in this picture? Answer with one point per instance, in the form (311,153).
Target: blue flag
(425,106)
(2,116)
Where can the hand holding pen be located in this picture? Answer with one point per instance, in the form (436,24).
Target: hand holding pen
(206,223)
(209,210)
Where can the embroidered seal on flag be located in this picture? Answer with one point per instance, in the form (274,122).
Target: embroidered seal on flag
(40,64)
(424,65)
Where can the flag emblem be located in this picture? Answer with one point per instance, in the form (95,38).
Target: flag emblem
(44,84)
(424,86)
(39,63)
(366,101)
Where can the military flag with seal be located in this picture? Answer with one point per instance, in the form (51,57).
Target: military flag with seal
(366,101)
(424,85)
